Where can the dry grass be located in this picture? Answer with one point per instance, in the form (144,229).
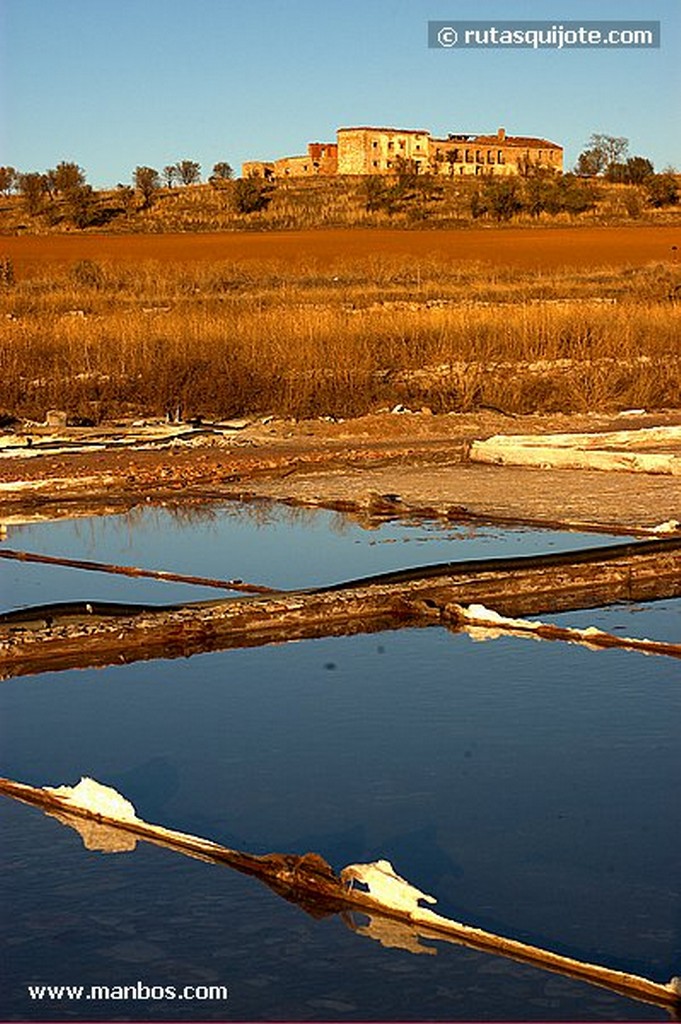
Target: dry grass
(224,339)
(302,204)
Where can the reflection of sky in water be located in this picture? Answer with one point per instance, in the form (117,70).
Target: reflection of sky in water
(656,620)
(532,787)
(283,548)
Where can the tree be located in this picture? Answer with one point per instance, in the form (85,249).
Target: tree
(379,195)
(80,204)
(67,177)
(538,194)
(170,175)
(189,171)
(590,163)
(147,182)
(223,171)
(8,179)
(639,168)
(32,187)
(501,198)
(127,197)
(633,172)
(602,151)
(575,196)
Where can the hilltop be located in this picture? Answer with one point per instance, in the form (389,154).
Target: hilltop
(298,204)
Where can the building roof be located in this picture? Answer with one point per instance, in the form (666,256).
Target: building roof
(517,140)
(395,131)
(528,141)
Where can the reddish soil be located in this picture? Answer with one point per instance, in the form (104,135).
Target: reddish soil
(522,247)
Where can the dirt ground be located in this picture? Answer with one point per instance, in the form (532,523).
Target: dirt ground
(521,247)
(385,465)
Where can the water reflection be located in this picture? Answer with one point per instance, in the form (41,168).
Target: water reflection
(258,542)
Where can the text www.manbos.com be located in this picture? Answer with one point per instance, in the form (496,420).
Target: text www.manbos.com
(201,993)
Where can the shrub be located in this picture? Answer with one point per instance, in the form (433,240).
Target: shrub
(662,190)
(249,195)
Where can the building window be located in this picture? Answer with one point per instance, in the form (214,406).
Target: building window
(469,157)
(402,144)
(375,163)
(500,156)
(391,144)
(490,156)
(374,145)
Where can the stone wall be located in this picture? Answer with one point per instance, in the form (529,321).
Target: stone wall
(493,154)
(259,168)
(380,150)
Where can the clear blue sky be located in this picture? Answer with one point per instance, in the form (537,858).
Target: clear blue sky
(116,83)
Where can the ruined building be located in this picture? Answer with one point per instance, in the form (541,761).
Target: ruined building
(383,151)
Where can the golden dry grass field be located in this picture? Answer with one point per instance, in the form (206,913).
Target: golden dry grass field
(340,322)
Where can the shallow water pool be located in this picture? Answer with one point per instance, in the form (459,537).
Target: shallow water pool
(531,787)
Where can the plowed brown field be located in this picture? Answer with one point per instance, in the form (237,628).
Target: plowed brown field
(521,247)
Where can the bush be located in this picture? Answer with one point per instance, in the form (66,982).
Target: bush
(6,272)
(87,274)
(662,190)
(250,195)
(500,198)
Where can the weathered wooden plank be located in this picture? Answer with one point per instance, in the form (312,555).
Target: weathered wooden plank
(640,571)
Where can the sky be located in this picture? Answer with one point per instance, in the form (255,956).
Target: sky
(113,84)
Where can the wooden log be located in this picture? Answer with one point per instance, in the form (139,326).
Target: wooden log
(135,572)
(311,882)
(640,571)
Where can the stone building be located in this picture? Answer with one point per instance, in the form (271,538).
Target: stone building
(321,159)
(365,151)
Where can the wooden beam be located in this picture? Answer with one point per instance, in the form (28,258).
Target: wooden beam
(77,635)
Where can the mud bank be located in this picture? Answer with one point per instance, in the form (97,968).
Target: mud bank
(373,468)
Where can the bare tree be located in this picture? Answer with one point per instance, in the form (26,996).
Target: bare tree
(602,152)
(614,148)
(170,175)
